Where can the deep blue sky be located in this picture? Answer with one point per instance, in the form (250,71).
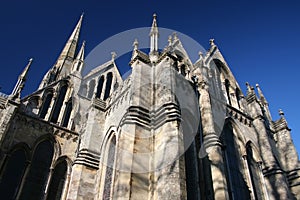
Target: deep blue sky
(259,39)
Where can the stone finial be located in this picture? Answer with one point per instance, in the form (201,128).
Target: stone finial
(154,36)
(281,113)
(200,81)
(135,44)
(250,89)
(200,53)
(170,40)
(261,95)
(212,42)
(113,55)
(16,93)
(154,15)
(175,36)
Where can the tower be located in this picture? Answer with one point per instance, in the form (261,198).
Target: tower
(172,129)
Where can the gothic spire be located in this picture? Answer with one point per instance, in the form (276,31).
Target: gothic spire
(68,53)
(16,93)
(250,89)
(154,35)
(80,55)
(70,47)
(78,63)
(261,95)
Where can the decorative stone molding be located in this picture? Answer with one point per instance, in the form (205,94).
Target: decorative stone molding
(237,114)
(140,56)
(152,119)
(280,124)
(3,100)
(88,158)
(99,103)
(46,127)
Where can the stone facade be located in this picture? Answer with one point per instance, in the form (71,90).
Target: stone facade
(172,129)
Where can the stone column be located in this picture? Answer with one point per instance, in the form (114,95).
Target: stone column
(288,155)
(276,181)
(212,146)
(247,171)
(263,181)
(65,188)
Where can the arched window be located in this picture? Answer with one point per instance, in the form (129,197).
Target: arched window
(83,90)
(59,102)
(254,173)
(12,175)
(227,85)
(109,78)
(37,176)
(238,96)
(46,104)
(57,181)
(99,87)
(110,160)
(91,88)
(67,114)
(237,186)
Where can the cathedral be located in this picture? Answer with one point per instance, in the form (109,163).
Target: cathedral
(172,129)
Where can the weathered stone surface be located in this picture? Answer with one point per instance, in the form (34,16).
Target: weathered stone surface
(168,131)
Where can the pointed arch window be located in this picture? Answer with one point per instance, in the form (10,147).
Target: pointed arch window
(12,175)
(59,102)
(83,90)
(254,173)
(37,176)
(238,96)
(99,87)
(46,105)
(110,160)
(109,78)
(58,180)
(67,114)
(227,85)
(91,88)
(52,76)
(237,185)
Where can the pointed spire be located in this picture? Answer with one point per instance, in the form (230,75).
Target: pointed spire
(261,95)
(281,113)
(200,53)
(154,29)
(69,50)
(80,55)
(16,93)
(25,71)
(113,55)
(78,63)
(154,35)
(282,117)
(250,89)
(170,40)
(135,45)
(175,37)
(212,42)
